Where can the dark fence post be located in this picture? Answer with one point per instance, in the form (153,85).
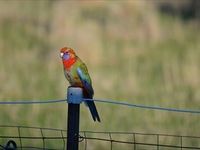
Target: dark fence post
(74,98)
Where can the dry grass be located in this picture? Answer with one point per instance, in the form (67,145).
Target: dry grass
(133,53)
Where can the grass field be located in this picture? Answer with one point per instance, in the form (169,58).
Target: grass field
(133,52)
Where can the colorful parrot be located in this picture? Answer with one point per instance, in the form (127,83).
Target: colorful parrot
(77,74)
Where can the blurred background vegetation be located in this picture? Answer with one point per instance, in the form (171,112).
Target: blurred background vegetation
(144,52)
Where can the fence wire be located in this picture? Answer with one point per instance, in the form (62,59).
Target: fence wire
(115,102)
(24,137)
(138,141)
(55,139)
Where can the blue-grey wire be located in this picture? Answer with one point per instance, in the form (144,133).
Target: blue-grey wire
(145,106)
(101,101)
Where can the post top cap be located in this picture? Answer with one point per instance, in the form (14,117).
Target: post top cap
(74,95)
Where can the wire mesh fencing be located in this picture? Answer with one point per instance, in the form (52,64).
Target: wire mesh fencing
(139,141)
(24,137)
(32,138)
(55,139)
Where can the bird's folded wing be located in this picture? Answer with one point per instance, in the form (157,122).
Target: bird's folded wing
(85,79)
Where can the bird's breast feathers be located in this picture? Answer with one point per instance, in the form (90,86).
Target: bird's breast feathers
(72,76)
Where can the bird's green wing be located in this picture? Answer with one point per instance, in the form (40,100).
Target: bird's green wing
(85,79)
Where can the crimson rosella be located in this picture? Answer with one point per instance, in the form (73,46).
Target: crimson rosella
(77,74)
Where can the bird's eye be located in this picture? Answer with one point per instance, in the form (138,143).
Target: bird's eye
(61,55)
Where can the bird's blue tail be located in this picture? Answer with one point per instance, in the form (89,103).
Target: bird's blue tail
(93,111)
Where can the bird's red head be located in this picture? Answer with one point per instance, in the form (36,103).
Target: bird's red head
(67,53)
(68,57)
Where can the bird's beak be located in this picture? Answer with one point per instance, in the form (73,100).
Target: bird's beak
(61,55)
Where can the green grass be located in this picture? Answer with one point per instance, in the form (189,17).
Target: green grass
(142,58)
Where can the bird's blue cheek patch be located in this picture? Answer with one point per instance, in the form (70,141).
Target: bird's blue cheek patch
(66,56)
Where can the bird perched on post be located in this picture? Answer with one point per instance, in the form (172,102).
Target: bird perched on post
(77,74)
